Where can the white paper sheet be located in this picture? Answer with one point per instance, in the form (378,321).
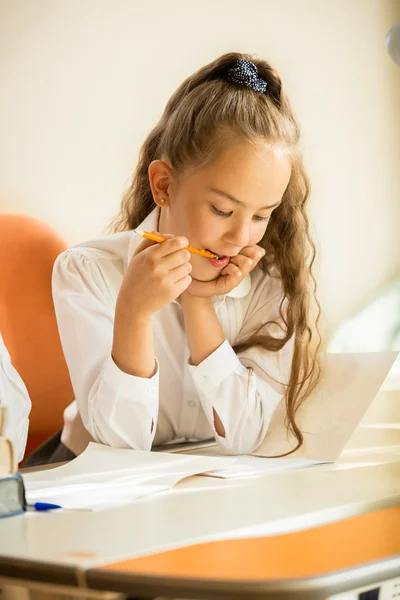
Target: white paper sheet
(250,466)
(333,411)
(88,496)
(102,477)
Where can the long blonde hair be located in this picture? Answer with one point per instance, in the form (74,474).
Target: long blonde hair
(204,110)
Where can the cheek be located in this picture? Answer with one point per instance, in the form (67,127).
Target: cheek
(186,214)
(202,226)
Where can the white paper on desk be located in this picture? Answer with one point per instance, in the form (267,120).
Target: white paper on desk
(89,496)
(250,466)
(102,477)
(330,415)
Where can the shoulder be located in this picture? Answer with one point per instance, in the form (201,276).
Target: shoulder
(99,263)
(102,253)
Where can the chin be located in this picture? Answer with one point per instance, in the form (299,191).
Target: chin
(204,276)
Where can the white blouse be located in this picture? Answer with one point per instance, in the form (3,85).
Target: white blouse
(14,395)
(118,409)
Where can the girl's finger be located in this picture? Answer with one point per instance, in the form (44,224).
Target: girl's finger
(255,253)
(230,277)
(180,272)
(172,245)
(231,270)
(175,259)
(147,243)
(143,245)
(243,263)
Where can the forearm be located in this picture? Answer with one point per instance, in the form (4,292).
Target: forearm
(133,344)
(203,329)
(241,392)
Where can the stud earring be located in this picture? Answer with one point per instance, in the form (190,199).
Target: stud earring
(162,200)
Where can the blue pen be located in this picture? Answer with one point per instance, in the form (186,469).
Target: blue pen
(44,506)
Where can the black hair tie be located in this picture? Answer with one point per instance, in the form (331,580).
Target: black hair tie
(245,73)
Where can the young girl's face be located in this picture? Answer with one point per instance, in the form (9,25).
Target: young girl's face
(226,205)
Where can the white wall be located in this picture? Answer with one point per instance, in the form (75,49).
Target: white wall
(83,81)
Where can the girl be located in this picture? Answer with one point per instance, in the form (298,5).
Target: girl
(164,345)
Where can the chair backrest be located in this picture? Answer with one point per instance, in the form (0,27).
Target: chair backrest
(28,249)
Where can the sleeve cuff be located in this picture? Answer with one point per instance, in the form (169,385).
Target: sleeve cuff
(217,367)
(124,384)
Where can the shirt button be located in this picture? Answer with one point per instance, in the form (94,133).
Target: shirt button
(192,403)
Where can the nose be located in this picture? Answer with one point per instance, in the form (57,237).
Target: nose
(238,234)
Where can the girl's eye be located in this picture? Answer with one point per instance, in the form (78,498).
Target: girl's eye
(263,219)
(228,214)
(220,212)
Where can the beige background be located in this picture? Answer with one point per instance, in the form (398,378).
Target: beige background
(83,81)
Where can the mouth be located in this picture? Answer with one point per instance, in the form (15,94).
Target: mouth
(219,257)
(219,262)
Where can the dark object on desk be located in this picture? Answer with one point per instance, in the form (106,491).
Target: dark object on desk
(12,496)
(44,506)
(51,451)
(370,595)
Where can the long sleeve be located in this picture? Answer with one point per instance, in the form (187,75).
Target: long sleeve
(14,395)
(117,409)
(245,388)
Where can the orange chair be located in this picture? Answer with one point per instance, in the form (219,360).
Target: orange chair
(28,249)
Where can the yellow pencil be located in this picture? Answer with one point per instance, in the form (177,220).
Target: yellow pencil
(156,237)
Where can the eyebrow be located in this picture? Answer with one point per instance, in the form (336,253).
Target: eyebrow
(226,195)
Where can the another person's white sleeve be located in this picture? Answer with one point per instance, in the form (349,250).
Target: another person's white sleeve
(14,395)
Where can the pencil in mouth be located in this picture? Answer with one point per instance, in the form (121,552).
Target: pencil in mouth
(218,257)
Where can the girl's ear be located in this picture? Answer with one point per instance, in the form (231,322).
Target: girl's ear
(160,178)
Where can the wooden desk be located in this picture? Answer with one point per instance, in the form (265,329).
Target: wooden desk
(302,534)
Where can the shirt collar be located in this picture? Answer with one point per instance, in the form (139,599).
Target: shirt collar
(150,223)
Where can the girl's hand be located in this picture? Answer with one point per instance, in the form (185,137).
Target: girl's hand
(156,275)
(235,271)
